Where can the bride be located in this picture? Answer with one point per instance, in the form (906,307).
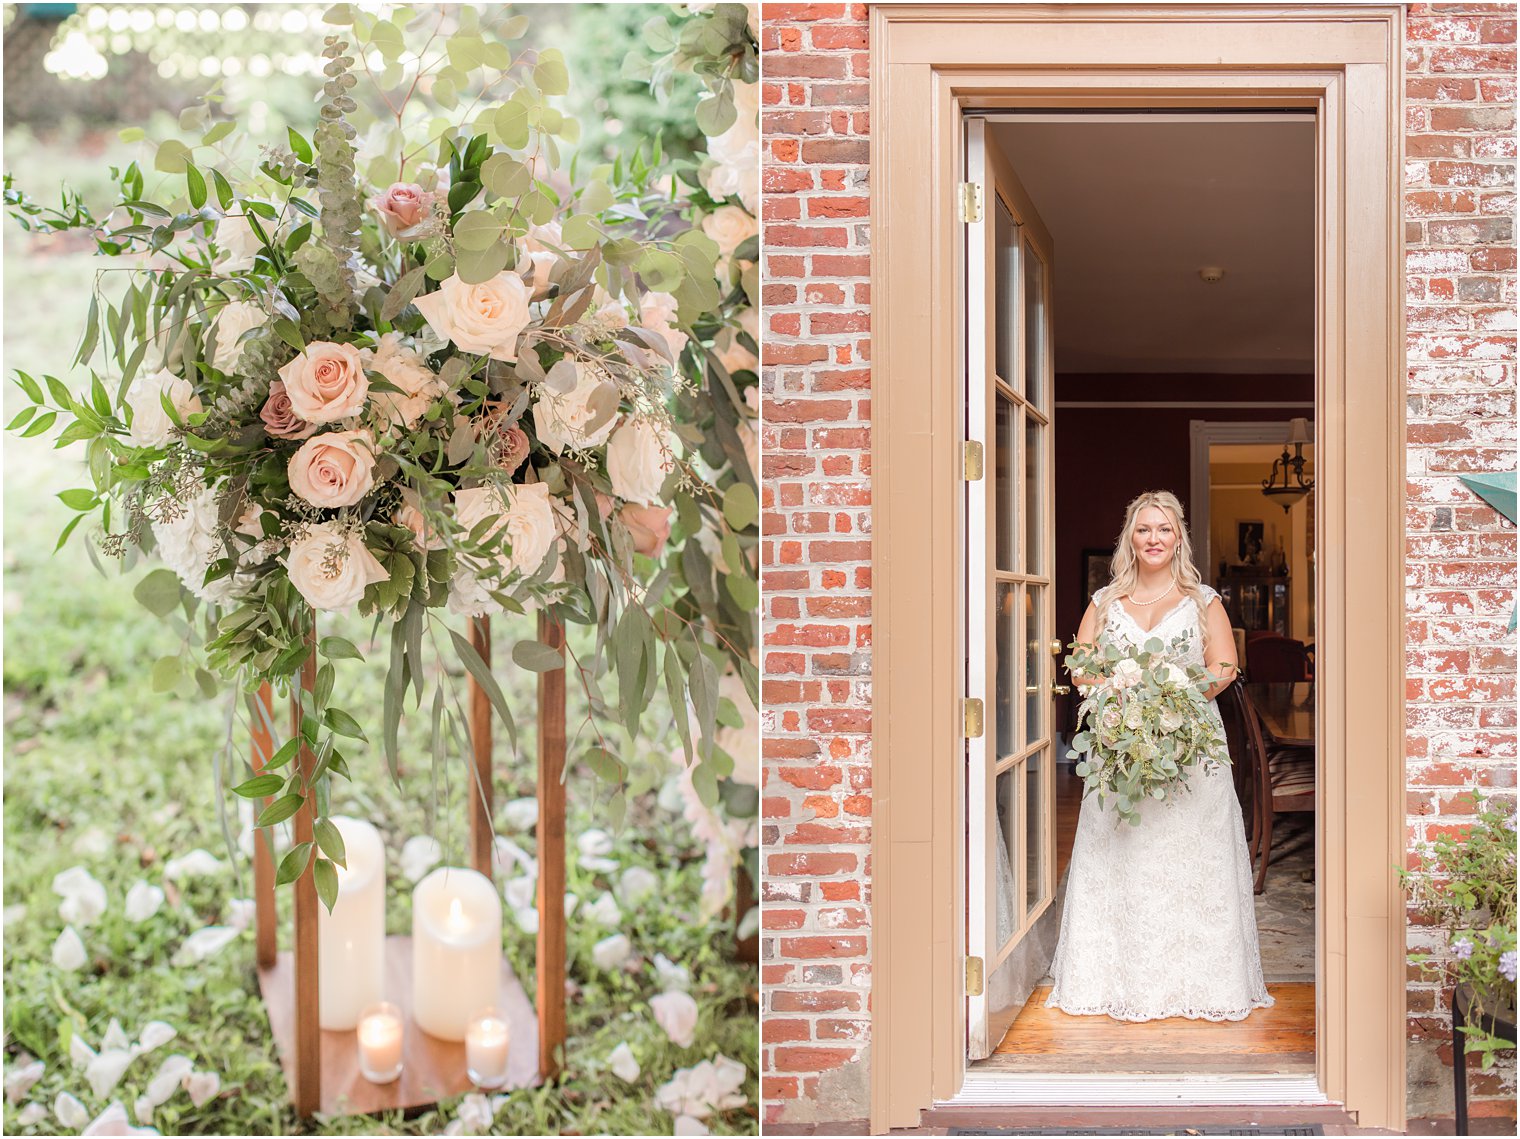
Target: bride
(1159,919)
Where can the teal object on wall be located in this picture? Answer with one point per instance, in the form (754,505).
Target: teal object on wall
(1498,490)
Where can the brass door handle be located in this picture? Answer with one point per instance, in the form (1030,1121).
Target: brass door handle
(1062,689)
(1055,647)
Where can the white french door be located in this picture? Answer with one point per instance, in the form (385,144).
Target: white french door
(1011,646)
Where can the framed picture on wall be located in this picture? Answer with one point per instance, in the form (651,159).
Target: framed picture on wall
(1096,570)
(1251,539)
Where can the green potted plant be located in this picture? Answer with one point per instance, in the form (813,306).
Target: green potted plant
(1465,883)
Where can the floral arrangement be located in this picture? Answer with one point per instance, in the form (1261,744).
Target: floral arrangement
(426,370)
(1143,725)
(1465,886)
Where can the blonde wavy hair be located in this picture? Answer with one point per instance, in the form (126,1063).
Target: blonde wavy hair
(1125,567)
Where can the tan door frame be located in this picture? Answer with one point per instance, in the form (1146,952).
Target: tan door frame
(928,64)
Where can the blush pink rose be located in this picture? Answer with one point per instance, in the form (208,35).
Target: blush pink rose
(326,382)
(649,526)
(402,206)
(279,420)
(334,469)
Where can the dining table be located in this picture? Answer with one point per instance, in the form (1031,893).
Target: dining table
(1287,710)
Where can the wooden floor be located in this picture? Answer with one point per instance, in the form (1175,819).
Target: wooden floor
(1278,1040)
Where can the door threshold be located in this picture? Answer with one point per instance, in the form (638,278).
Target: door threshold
(1009,1089)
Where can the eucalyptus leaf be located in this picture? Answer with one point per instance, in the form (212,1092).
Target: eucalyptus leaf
(536,656)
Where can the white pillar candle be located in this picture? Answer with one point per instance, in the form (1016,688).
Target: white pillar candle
(456,950)
(380,1035)
(351,939)
(486,1046)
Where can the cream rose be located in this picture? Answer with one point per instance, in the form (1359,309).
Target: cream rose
(331,567)
(657,312)
(238,243)
(1126,674)
(151,425)
(420,385)
(730,227)
(539,240)
(402,206)
(1170,721)
(1133,717)
(639,456)
(326,382)
(525,521)
(734,355)
(566,419)
(1171,674)
(334,469)
(485,318)
(409,514)
(234,319)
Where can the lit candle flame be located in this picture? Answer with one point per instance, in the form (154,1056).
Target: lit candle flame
(458,922)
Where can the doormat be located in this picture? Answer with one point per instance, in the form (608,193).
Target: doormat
(1307,1129)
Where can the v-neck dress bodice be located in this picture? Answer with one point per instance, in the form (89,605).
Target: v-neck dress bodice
(1159,919)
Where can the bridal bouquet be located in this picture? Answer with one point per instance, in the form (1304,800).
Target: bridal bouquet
(423,368)
(1144,723)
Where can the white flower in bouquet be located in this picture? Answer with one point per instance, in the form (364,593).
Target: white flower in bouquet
(730,227)
(741,743)
(658,313)
(485,318)
(676,1013)
(539,239)
(331,567)
(420,386)
(151,425)
(639,456)
(527,523)
(582,417)
(1127,673)
(735,154)
(334,469)
(238,243)
(733,355)
(326,382)
(606,313)
(232,320)
(1134,716)
(698,1091)
(1171,674)
(1170,720)
(251,525)
(188,544)
(410,515)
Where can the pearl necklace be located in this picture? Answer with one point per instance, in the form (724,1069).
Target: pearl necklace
(1131,597)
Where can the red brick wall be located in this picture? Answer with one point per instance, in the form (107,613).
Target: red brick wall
(1459,177)
(816,379)
(1460,174)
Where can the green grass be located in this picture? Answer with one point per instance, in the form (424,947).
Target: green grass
(89,746)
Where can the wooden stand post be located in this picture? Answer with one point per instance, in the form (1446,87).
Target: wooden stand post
(267,945)
(551,855)
(307,1092)
(482,846)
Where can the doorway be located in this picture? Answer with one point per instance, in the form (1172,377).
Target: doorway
(930,66)
(1127,270)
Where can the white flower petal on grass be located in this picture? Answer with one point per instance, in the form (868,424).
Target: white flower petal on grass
(19,1080)
(636,885)
(80,1053)
(115,1037)
(610,952)
(527,919)
(84,898)
(598,865)
(475,1113)
(204,943)
(419,854)
(92,842)
(750,924)
(622,1064)
(688,1125)
(14,913)
(698,1091)
(143,1110)
(520,892)
(672,977)
(241,912)
(676,1014)
(113,1121)
(154,1034)
(166,1081)
(197,864)
(508,854)
(202,1086)
(105,1071)
(604,911)
(70,1112)
(571,902)
(68,951)
(521,814)
(32,1114)
(594,843)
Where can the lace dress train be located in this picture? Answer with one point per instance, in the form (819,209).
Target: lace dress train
(1159,918)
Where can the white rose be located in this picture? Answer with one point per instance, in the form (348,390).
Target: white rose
(743,742)
(151,425)
(676,1013)
(1171,674)
(189,543)
(326,382)
(1126,674)
(1133,717)
(1170,721)
(331,567)
(526,522)
(657,312)
(730,227)
(409,372)
(234,319)
(485,318)
(334,469)
(571,419)
(639,456)
(539,240)
(238,243)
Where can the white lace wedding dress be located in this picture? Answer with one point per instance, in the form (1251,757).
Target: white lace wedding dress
(1159,918)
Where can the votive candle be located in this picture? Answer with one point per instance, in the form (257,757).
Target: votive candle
(381,1033)
(487,1044)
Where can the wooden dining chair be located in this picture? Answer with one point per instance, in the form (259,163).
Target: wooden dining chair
(1284,781)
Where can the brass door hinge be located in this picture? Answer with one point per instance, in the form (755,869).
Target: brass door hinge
(973,976)
(971,463)
(971,201)
(973,718)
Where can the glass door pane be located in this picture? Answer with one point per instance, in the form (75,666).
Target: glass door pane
(1005,496)
(1034,327)
(1034,826)
(1004,707)
(1036,689)
(1010,837)
(1006,293)
(1034,495)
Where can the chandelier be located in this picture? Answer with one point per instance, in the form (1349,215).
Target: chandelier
(1292,486)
